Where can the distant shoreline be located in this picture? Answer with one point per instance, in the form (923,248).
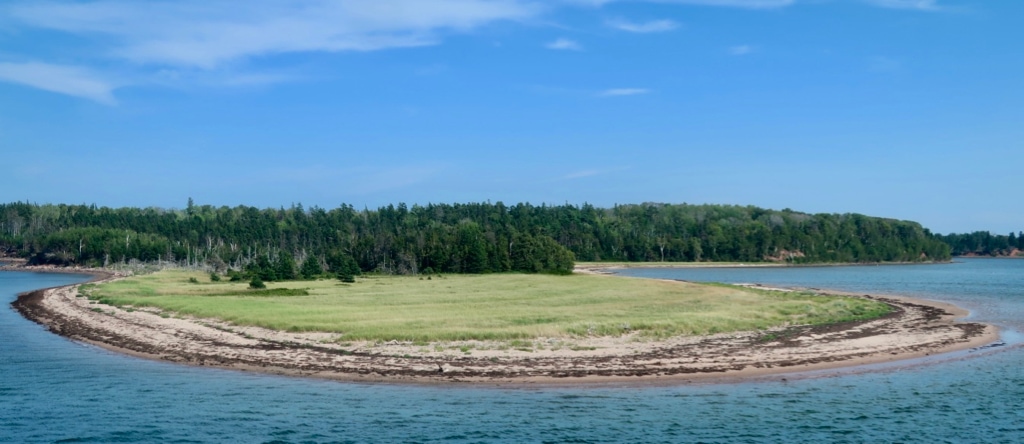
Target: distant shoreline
(915,329)
(608,267)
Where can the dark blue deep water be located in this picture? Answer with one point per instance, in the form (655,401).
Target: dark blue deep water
(55,390)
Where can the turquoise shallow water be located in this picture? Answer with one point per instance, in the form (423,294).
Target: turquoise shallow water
(55,390)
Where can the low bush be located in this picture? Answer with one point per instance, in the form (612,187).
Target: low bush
(256,283)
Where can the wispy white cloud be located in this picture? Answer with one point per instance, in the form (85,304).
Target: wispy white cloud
(71,80)
(207,34)
(922,5)
(591,3)
(185,78)
(739,50)
(618,92)
(564,44)
(190,37)
(207,42)
(645,27)
(753,4)
(750,4)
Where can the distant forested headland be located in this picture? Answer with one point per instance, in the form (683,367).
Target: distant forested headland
(984,243)
(460,238)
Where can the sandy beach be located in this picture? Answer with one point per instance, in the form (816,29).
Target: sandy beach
(915,328)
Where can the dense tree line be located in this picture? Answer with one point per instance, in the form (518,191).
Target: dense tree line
(984,243)
(461,238)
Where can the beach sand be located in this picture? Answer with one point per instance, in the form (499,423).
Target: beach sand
(915,328)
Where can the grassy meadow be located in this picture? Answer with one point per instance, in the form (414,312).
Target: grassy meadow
(482,307)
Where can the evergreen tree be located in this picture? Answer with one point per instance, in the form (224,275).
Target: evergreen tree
(311,267)
(284,268)
(346,277)
(350,267)
(262,267)
(471,248)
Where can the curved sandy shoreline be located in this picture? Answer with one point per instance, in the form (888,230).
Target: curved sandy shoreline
(916,328)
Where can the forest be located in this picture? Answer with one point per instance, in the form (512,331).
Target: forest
(452,238)
(984,243)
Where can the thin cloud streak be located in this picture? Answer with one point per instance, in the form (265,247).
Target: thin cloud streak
(643,28)
(751,4)
(207,34)
(564,44)
(210,33)
(190,37)
(70,80)
(921,5)
(748,4)
(620,92)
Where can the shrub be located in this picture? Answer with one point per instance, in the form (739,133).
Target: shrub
(214,277)
(193,280)
(256,283)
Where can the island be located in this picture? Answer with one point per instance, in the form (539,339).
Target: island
(507,328)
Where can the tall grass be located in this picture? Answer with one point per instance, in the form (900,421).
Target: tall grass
(485,307)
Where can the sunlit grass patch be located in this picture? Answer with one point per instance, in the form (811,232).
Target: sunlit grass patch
(503,307)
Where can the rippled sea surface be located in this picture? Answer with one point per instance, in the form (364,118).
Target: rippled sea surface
(55,390)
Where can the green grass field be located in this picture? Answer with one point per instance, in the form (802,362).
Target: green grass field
(483,307)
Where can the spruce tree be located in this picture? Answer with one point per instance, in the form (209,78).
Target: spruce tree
(311,267)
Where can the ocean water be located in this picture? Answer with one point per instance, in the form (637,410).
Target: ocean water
(56,390)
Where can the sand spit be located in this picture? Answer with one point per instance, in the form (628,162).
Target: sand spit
(914,329)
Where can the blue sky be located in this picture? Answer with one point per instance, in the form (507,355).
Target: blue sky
(910,109)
